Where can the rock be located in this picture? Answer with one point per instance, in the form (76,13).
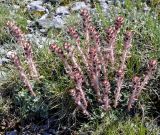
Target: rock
(34,3)
(44,16)
(52,21)
(78,6)
(43,30)
(3,77)
(2,51)
(3,61)
(36,6)
(58,22)
(62,10)
(45,22)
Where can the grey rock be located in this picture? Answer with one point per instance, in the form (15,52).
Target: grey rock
(51,21)
(4,61)
(3,76)
(58,22)
(78,6)
(2,51)
(45,23)
(62,10)
(38,2)
(43,30)
(36,6)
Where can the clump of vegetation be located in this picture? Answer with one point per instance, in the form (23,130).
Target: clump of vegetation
(95,67)
(98,58)
(112,125)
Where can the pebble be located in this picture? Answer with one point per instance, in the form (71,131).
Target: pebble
(62,10)
(58,22)
(78,6)
(36,6)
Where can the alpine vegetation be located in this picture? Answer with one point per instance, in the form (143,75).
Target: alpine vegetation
(89,62)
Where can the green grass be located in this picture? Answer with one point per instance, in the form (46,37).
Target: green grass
(8,13)
(120,124)
(4,13)
(130,126)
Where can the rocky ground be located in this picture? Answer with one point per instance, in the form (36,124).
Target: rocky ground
(46,16)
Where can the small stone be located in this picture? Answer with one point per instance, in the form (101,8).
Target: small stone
(2,51)
(36,6)
(45,22)
(58,22)
(38,2)
(62,10)
(78,6)
(43,30)
(4,61)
